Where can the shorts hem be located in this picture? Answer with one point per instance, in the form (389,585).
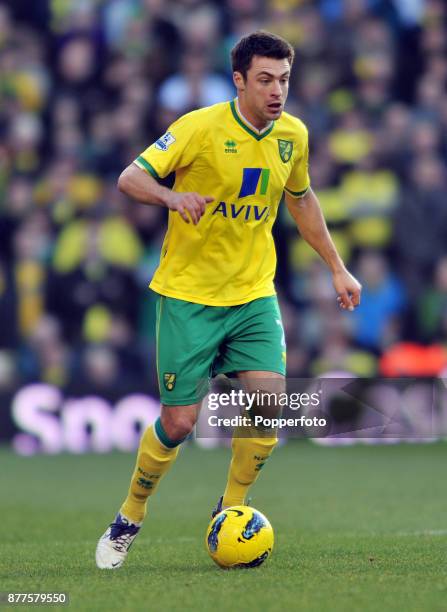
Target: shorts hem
(245,368)
(183,402)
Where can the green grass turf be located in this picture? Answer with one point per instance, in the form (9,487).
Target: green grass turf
(357,529)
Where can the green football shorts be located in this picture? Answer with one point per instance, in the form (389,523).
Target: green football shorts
(196,342)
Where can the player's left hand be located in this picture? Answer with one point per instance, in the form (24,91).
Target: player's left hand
(348,289)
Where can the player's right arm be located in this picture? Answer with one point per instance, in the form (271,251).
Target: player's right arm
(178,148)
(141,186)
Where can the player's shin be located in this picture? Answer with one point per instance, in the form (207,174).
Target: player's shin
(251,448)
(156,454)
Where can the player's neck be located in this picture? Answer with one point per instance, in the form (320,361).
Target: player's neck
(250,119)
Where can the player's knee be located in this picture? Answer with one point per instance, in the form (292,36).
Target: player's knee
(178,426)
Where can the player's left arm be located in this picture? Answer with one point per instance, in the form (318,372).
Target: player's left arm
(309,219)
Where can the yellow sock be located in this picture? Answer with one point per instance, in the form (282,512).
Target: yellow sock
(156,454)
(249,456)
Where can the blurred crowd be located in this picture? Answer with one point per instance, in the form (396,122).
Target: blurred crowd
(86,85)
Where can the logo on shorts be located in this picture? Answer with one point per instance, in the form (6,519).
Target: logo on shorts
(285,149)
(169,379)
(165,142)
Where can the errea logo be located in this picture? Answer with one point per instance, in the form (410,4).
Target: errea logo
(230,146)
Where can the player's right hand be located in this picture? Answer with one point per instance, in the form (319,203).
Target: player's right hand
(189,205)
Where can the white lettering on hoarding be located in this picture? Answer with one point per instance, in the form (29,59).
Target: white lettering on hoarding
(51,424)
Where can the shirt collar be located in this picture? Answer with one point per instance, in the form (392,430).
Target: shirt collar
(250,125)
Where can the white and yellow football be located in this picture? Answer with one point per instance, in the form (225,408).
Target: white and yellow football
(239,536)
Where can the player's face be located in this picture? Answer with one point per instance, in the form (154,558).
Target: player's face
(266,87)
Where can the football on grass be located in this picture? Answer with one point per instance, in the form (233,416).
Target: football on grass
(239,536)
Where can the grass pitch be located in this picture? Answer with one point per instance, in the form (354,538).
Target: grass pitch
(357,529)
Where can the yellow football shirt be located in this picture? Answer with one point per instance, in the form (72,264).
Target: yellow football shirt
(229,258)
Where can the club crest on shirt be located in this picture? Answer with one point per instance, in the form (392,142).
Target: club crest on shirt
(165,142)
(169,379)
(285,149)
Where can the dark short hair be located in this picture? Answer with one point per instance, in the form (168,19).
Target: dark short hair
(263,44)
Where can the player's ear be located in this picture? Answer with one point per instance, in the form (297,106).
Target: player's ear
(239,81)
